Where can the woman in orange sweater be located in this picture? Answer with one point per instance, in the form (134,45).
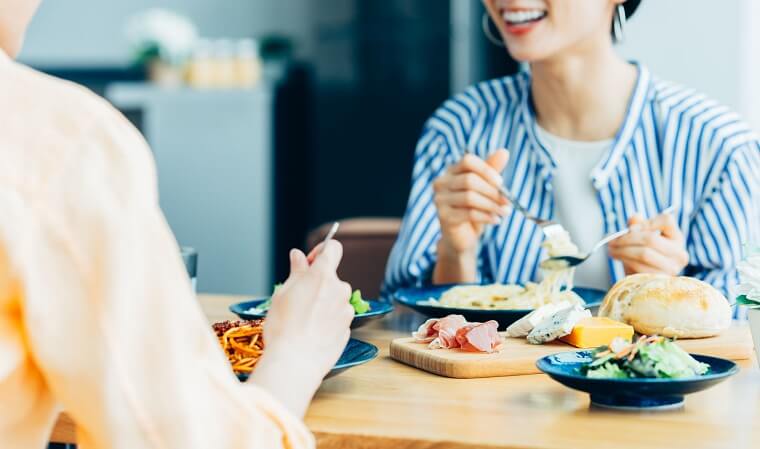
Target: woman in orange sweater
(97,315)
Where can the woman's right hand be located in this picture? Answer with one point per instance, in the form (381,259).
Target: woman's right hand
(467,198)
(306,329)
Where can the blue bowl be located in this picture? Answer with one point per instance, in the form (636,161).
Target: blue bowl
(416,298)
(633,394)
(377,310)
(356,353)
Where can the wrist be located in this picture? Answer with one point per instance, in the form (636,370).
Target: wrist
(455,266)
(291,380)
(450,253)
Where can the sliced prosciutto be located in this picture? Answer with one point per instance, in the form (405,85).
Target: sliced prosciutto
(427,331)
(454,331)
(479,337)
(447,332)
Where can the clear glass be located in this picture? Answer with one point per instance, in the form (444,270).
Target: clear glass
(190,258)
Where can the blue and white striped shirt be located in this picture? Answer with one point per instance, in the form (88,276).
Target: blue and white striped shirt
(675,147)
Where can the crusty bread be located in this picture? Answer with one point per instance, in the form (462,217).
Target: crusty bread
(679,307)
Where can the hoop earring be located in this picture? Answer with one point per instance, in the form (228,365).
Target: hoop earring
(618,23)
(485,23)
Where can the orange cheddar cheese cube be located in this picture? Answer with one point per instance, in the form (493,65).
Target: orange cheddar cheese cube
(597,331)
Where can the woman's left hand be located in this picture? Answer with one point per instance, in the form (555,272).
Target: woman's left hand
(652,246)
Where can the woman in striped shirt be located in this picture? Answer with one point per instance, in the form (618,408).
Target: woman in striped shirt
(596,143)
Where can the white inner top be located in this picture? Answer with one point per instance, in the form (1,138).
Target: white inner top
(576,203)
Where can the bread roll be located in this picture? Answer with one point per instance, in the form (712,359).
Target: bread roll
(658,304)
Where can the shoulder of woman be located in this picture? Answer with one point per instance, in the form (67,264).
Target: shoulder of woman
(713,127)
(478,102)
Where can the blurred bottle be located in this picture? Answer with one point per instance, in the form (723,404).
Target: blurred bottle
(200,68)
(223,64)
(247,65)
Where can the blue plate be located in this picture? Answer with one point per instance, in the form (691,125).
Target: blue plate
(377,310)
(357,352)
(416,299)
(633,394)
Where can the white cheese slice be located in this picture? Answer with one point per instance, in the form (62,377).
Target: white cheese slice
(523,326)
(557,325)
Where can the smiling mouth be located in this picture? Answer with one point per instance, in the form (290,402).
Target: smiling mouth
(523,16)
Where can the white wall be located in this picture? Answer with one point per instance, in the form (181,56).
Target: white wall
(90,32)
(705,44)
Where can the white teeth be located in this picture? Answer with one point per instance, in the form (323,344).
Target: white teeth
(523,15)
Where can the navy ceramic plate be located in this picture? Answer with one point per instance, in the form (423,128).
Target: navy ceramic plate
(357,352)
(377,310)
(633,394)
(416,298)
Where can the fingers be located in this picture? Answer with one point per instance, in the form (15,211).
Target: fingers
(666,223)
(455,216)
(471,182)
(330,257)
(637,220)
(298,262)
(498,160)
(474,164)
(314,252)
(470,200)
(650,252)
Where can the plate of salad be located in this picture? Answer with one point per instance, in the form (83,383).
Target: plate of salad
(365,310)
(651,373)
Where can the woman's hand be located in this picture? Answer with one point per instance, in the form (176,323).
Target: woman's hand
(653,246)
(306,329)
(467,198)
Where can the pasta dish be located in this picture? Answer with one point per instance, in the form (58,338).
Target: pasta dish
(242,342)
(555,287)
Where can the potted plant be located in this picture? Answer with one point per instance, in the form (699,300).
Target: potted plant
(161,41)
(749,294)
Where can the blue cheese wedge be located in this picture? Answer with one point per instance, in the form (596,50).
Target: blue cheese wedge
(557,325)
(522,327)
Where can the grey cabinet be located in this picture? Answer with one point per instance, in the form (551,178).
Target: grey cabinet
(214,153)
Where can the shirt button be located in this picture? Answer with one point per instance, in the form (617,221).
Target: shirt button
(549,188)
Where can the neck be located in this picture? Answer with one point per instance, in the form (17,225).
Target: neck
(584,94)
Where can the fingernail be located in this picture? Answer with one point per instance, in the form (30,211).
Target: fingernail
(495,219)
(636,228)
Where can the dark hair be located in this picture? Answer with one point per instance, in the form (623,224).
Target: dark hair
(631,6)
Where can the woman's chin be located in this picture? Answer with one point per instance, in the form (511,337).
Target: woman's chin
(528,54)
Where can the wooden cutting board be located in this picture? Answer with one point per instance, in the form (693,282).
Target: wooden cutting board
(519,357)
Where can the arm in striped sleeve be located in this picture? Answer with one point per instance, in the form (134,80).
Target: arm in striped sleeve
(728,219)
(413,256)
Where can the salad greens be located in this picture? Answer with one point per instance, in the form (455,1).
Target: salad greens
(356,300)
(648,357)
(359,304)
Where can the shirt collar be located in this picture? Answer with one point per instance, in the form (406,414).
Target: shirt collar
(600,175)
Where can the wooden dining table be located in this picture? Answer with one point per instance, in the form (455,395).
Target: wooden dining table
(385,404)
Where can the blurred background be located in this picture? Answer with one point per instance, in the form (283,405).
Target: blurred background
(268,118)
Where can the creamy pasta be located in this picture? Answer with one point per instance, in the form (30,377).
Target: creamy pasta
(556,285)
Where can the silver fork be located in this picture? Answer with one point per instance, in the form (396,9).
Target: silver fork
(572,261)
(549,227)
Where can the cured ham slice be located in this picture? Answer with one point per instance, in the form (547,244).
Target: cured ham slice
(454,331)
(447,332)
(427,332)
(479,337)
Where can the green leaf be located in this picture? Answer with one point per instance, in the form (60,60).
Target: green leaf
(359,304)
(751,303)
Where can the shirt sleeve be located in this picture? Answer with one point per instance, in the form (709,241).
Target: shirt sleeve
(100,319)
(412,258)
(727,220)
